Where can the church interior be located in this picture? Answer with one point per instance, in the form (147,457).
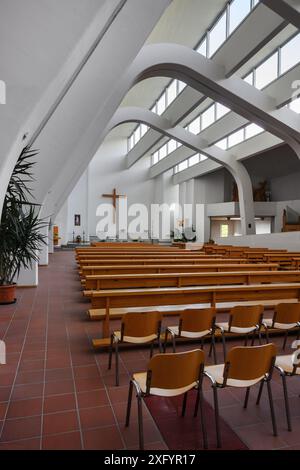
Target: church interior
(150,225)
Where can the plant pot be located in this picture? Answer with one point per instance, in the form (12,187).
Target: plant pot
(8,294)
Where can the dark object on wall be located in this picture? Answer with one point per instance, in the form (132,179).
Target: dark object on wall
(78,239)
(260,193)
(235,192)
(77,220)
(290,220)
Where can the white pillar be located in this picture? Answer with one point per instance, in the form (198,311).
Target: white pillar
(43,255)
(190,199)
(246,203)
(29,277)
(50,241)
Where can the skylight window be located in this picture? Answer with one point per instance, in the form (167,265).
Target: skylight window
(194,160)
(171,92)
(236,138)
(267,71)
(222,144)
(172,145)
(202,48)
(221,110)
(208,117)
(238,10)
(290,54)
(252,129)
(217,35)
(194,126)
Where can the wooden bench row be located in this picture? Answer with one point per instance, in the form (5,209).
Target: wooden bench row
(212,295)
(161,261)
(175,268)
(133,281)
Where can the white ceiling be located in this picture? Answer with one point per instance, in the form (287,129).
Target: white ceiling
(183,22)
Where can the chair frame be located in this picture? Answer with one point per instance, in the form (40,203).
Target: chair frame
(283,375)
(215,386)
(174,336)
(140,395)
(115,342)
(286,331)
(256,329)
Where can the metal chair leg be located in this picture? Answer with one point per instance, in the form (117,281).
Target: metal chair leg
(213,346)
(286,400)
(247,397)
(117,362)
(216,406)
(285,339)
(174,343)
(184,404)
(260,392)
(259,337)
(151,349)
(166,340)
(203,423)
(129,404)
(272,408)
(253,338)
(110,351)
(210,347)
(140,420)
(160,347)
(224,344)
(267,335)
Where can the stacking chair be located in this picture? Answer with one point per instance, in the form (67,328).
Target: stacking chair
(286,317)
(244,367)
(136,328)
(169,375)
(194,323)
(243,320)
(288,366)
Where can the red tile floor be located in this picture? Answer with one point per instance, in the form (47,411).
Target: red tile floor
(56,393)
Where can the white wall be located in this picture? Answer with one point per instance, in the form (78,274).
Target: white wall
(78,204)
(62,222)
(286,187)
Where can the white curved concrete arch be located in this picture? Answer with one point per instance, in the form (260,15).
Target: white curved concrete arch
(196,143)
(287,9)
(200,73)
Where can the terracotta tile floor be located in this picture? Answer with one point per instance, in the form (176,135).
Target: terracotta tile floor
(56,393)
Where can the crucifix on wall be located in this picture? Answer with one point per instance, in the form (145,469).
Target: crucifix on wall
(114,197)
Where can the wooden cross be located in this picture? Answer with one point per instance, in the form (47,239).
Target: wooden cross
(114,197)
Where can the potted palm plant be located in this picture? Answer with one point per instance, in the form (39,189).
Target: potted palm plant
(20,227)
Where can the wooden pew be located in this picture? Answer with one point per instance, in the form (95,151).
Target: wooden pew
(212,295)
(283,259)
(133,281)
(174,268)
(151,261)
(145,256)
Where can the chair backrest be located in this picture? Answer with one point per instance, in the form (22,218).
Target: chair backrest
(139,324)
(250,362)
(287,313)
(175,371)
(244,316)
(197,319)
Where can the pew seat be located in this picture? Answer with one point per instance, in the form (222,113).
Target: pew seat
(127,281)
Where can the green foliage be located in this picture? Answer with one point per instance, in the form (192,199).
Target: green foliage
(20,226)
